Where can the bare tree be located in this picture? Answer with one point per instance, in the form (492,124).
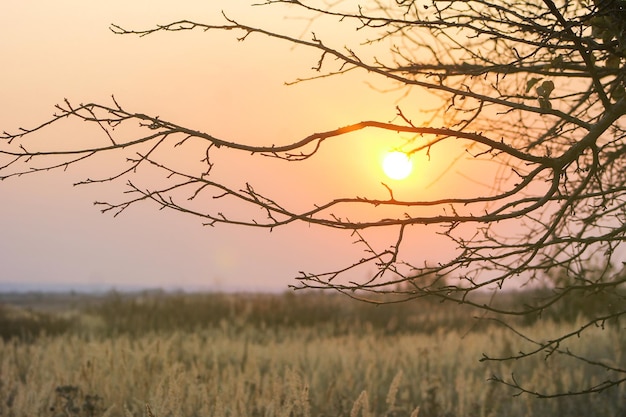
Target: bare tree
(534,88)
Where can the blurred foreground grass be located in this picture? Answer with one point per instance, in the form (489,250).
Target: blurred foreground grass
(303,354)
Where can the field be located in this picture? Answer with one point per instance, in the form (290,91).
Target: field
(287,355)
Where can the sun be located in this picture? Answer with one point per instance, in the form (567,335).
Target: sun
(397,165)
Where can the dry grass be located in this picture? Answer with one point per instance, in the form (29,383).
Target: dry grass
(239,369)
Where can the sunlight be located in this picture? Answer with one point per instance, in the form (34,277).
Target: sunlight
(397,165)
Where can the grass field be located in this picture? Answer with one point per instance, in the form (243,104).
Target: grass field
(282,355)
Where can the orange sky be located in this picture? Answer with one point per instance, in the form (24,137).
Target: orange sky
(52,233)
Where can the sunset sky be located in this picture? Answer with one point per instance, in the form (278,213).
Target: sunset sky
(51,233)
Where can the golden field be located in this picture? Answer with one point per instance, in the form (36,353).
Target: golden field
(284,355)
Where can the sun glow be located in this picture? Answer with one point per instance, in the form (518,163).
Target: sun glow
(397,165)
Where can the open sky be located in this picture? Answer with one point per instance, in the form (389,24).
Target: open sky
(50,232)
